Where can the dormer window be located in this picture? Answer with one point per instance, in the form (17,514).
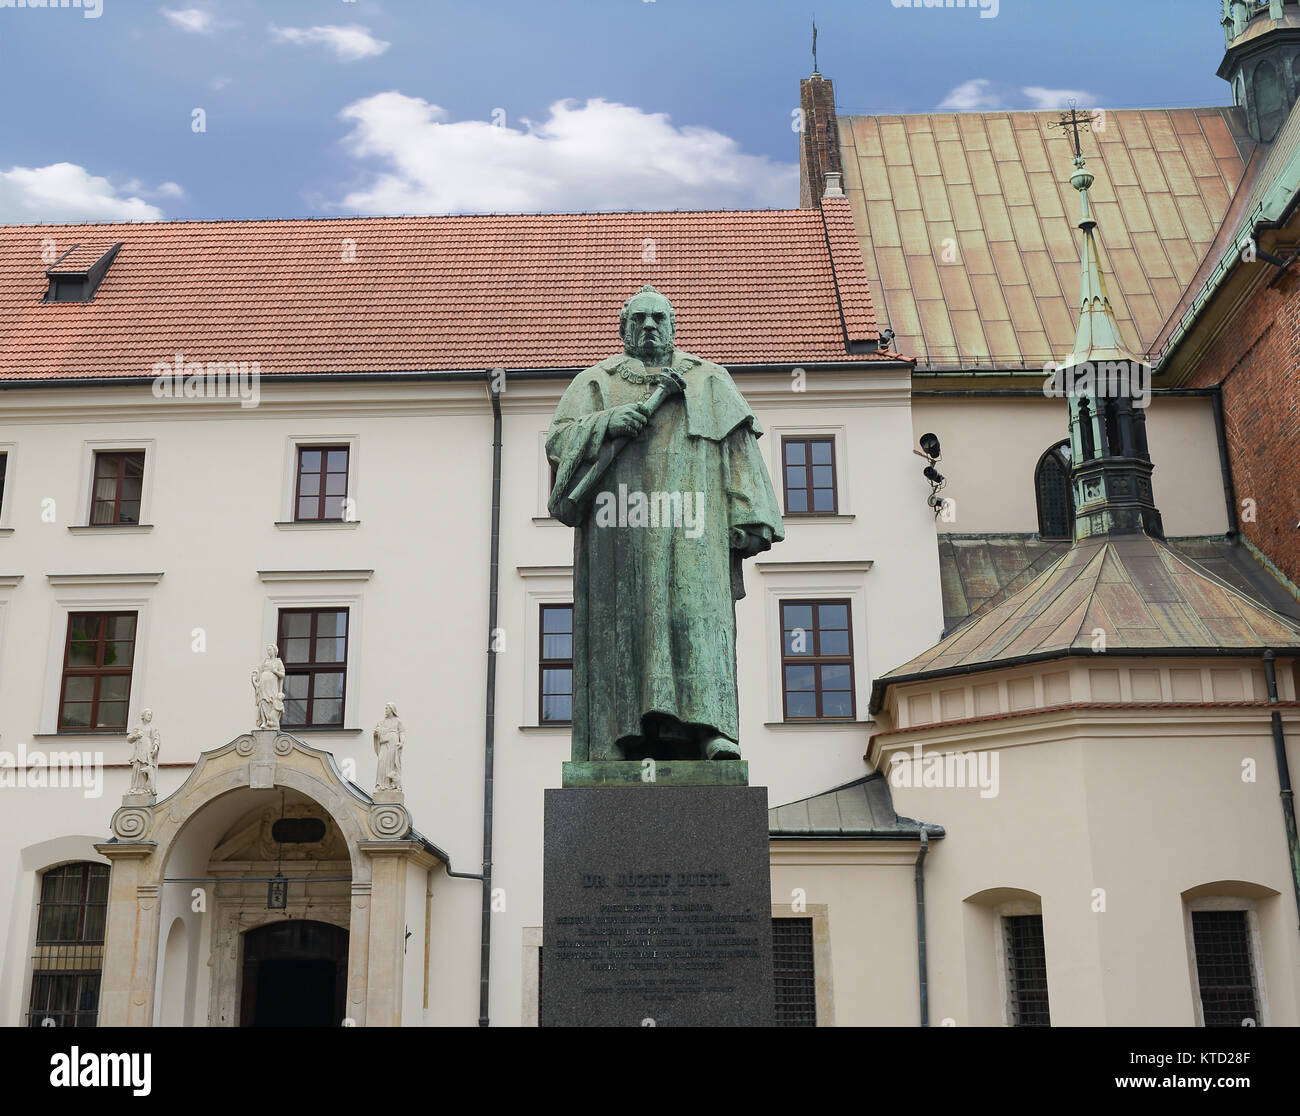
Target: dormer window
(75,276)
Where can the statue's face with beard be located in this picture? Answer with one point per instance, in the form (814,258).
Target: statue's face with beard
(648,329)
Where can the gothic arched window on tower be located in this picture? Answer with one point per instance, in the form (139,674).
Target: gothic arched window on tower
(1270,100)
(1055,497)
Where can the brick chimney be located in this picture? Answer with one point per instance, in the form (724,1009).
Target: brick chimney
(819,147)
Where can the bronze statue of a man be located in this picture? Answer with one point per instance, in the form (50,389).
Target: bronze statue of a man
(658,471)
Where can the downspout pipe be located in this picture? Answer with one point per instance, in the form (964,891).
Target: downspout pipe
(1283,777)
(495,385)
(922,963)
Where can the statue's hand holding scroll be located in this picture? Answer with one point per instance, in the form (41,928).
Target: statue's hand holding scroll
(626,421)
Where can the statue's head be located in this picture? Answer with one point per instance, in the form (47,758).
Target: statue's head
(390,710)
(648,326)
(272,651)
(146,715)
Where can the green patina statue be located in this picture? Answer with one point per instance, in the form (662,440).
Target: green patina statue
(658,471)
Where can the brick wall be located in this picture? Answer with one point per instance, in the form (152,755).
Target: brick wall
(1257,360)
(819,145)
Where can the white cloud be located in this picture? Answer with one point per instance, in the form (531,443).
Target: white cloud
(67,192)
(194,20)
(592,156)
(981,95)
(971,96)
(1042,98)
(348,43)
(170,190)
(220,83)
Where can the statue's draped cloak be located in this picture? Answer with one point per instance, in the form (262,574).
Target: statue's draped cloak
(654,626)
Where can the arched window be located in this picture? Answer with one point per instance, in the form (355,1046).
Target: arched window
(1055,496)
(69,946)
(1270,100)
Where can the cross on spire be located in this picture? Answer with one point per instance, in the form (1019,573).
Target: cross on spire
(815,70)
(1071,122)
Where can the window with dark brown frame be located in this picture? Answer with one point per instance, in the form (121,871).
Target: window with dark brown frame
(313,645)
(4,463)
(1224,970)
(1026,953)
(555,665)
(817,660)
(1055,494)
(808,476)
(322,487)
(69,946)
(117,488)
(97,658)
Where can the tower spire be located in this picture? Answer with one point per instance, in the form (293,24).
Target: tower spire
(1107,390)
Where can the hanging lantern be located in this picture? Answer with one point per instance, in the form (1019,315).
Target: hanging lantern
(277,893)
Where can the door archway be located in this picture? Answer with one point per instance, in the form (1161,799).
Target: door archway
(294,974)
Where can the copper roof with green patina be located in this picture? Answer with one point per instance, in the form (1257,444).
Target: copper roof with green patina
(1140,592)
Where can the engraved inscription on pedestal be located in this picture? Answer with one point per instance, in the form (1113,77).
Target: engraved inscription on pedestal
(657,908)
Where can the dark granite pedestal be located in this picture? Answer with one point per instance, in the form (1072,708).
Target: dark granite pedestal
(657,907)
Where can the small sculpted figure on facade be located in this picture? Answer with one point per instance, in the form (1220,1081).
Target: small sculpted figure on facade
(390,738)
(145,741)
(267,681)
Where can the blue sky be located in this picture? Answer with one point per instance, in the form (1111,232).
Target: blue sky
(324,107)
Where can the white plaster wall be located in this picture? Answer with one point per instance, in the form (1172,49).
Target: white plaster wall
(422,487)
(1144,812)
(991,447)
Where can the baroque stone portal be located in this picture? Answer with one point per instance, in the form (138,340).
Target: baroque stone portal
(659,473)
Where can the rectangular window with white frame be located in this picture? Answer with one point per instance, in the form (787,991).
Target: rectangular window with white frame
(808,466)
(118,489)
(320,482)
(97,651)
(547,625)
(6,474)
(555,663)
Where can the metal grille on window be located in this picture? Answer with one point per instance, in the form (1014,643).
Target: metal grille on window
(1223,967)
(1026,971)
(69,946)
(793,972)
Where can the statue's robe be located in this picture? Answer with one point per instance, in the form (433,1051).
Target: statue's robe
(654,624)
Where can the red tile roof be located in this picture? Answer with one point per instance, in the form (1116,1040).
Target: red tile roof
(435,293)
(82,258)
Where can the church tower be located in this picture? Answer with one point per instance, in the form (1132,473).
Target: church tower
(1107,389)
(1262,63)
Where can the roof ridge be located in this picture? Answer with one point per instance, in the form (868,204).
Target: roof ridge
(792,210)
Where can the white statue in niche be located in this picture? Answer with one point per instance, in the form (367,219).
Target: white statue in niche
(266,686)
(390,737)
(145,741)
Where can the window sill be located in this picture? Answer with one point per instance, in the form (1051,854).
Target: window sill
(547,521)
(302,730)
(5,532)
(549,730)
(821,725)
(799,517)
(112,528)
(317,524)
(73,733)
